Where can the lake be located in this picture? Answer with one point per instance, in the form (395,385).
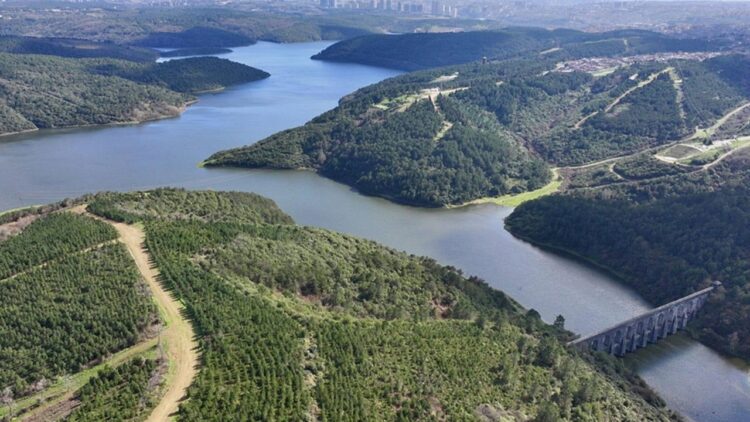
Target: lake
(47,166)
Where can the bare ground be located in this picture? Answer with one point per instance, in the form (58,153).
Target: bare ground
(178,336)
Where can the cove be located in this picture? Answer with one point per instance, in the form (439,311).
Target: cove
(50,165)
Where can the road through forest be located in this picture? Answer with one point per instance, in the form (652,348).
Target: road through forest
(178,335)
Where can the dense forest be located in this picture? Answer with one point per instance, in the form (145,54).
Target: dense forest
(76,48)
(42,91)
(297,322)
(426,50)
(429,154)
(190,75)
(71,297)
(195,37)
(123,393)
(665,233)
(455,134)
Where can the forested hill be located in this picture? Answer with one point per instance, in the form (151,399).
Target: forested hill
(38,92)
(72,298)
(665,228)
(190,75)
(69,47)
(426,50)
(333,327)
(455,134)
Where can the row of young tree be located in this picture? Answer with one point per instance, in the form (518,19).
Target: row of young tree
(273,350)
(124,393)
(49,238)
(63,316)
(250,349)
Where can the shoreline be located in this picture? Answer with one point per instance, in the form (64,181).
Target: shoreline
(622,280)
(181,109)
(514,200)
(508,201)
(12,210)
(19,132)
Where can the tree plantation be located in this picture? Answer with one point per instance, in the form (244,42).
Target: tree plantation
(71,297)
(124,393)
(298,322)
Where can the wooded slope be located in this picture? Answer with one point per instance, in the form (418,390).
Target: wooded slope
(299,322)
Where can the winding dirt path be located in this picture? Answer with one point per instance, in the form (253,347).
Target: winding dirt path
(178,336)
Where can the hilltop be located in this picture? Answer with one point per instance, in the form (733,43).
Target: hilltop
(75,48)
(346,328)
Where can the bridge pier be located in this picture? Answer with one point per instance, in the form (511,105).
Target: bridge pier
(647,328)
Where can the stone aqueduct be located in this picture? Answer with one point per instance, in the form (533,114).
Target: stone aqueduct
(646,328)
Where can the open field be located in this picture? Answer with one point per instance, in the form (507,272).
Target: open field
(518,199)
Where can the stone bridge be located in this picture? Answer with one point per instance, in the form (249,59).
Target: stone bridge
(646,328)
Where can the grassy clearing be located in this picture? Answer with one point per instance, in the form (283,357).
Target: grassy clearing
(603,72)
(679,151)
(443,130)
(705,154)
(518,199)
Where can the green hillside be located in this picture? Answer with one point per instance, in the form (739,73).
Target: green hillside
(298,322)
(75,48)
(427,50)
(71,297)
(190,75)
(665,229)
(452,135)
(40,91)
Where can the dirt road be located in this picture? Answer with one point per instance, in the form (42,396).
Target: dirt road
(178,336)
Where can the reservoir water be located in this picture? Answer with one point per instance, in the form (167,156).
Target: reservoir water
(43,167)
